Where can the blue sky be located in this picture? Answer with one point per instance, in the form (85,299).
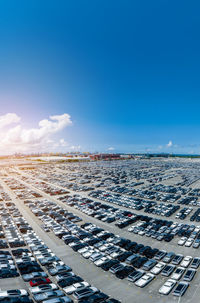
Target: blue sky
(127,72)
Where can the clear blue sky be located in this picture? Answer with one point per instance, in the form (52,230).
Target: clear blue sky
(127,72)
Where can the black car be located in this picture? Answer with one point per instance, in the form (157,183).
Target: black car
(130,245)
(8,273)
(96,298)
(69,281)
(137,248)
(71,239)
(111,300)
(140,261)
(18,299)
(124,256)
(127,270)
(136,275)
(78,246)
(106,266)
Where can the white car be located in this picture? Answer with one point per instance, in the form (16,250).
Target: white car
(7,265)
(144,280)
(33,245)
(182,241)
(96,256)
(167,287)
(77,286)
(41,256)
(101,261)
(23,259)
(38,252)
(83,250)
(178,273)
(10,262)
(186,261)
(42,288)
(197,229)
(109,240)
(57,263)
(157,268)
(88,253)
(104,247)
(13,293)
(189,242)
(115,254)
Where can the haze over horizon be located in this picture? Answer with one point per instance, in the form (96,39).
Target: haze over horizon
(119,76)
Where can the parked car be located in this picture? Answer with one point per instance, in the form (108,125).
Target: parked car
(177,274)
(180,289)
(84,293)
(13,293)
(167,287)
(136,275)
(42,288)
(48,295)
(189,275)
(186,261)
(144,280)
(75,287)
(168,269)
(39,281)
(157,268)
(195,263)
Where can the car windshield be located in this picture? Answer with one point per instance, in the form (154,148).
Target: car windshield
(179,287)
(134,274)
(14,291)
(168,284)
(84,291)
(44,286)
(146,277)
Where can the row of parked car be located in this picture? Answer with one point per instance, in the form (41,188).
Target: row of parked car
(183,213)
(190,234)
(158,229)
(162,209)
(66,282)
(196,216)
(135,267)
(123,258)
(43,272)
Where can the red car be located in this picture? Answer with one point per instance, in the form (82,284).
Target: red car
(39,281)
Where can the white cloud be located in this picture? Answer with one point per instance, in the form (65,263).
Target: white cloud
(111,148)
(170,144)
(7,119)
(17,138)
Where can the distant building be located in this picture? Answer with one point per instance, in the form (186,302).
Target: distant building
(105,157)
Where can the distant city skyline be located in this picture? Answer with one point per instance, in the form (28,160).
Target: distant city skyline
(100,76)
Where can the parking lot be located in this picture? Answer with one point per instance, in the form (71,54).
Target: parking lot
(128,207)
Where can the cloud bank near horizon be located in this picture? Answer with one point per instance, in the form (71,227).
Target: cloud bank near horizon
(19,139)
